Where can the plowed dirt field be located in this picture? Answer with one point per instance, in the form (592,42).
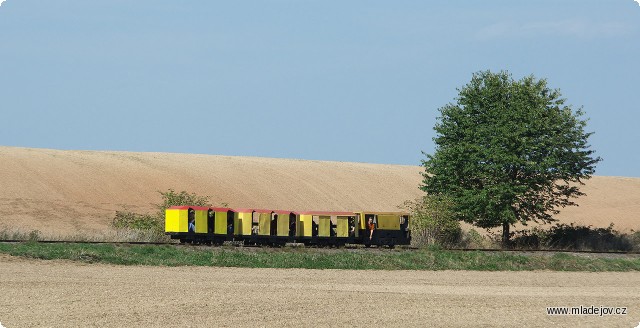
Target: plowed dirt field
(35,293)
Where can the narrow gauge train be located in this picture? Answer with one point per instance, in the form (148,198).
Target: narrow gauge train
(215,225)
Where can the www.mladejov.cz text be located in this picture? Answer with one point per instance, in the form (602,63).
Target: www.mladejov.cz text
(586,310)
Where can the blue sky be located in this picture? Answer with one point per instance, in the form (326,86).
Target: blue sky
(330,80)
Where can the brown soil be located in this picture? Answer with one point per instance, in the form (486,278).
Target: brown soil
(64,294)
(69,192)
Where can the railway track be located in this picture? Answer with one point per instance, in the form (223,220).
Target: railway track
(542,251)
(89,242)
(488,250)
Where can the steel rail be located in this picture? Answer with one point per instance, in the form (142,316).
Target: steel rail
(87,242)
(412,248)
(540,251)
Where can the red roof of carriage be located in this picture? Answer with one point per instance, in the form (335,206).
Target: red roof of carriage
(258,210)
(326,213)
(242,210)
(222,209)
(197,208)
(262,211)
(283,212)
(249,210)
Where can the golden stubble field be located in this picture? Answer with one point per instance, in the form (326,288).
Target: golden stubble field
(36,293)
(62,192)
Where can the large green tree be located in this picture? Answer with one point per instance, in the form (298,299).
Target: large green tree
(508,151)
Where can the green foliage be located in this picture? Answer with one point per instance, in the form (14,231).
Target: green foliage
(432,221)
(473,239)
(155,222)
(34,235)
(634,239)
(564,236)
(574,237)
(508,151)
(432,258)
(131,220)
(173,198)
(15,234)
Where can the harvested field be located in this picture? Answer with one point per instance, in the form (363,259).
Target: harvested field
(61,293)
(68,192)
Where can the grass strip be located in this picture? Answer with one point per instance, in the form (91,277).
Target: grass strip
(309,258)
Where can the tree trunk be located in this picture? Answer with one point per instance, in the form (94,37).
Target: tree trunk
(505,235)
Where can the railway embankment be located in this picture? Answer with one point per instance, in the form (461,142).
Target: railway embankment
(321,258)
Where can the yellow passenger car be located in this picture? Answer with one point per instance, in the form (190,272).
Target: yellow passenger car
(324,227)
(384,228)
(216,225)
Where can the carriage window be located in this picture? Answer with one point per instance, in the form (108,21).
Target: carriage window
(192,220)
(211,217)
(230,223)
(352,226)
(255,223)
(404,222)
(274,225)
(373,218)
(292,225)
(333,226)
(314,225)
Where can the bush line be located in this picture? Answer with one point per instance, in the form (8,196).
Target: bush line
(304,258)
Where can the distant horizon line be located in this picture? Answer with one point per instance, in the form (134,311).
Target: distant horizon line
(247,156)
(204,154)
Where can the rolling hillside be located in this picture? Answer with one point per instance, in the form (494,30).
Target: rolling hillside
(63,192)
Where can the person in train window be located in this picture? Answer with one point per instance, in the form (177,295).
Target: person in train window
(274,225)
(192,220)
(292,227)
(371,227)
(352,227)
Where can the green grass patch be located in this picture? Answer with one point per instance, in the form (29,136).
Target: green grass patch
(310,258)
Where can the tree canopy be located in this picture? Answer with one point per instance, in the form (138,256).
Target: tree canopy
(508,151)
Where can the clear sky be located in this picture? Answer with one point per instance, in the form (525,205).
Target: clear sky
(313,79)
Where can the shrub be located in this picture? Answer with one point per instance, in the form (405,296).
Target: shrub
(528,239)
(34,235)
(473,239)
(563,236)
(574,237)
(173,198)
(151,226)
(432,221)
(130,220)
(634,239)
